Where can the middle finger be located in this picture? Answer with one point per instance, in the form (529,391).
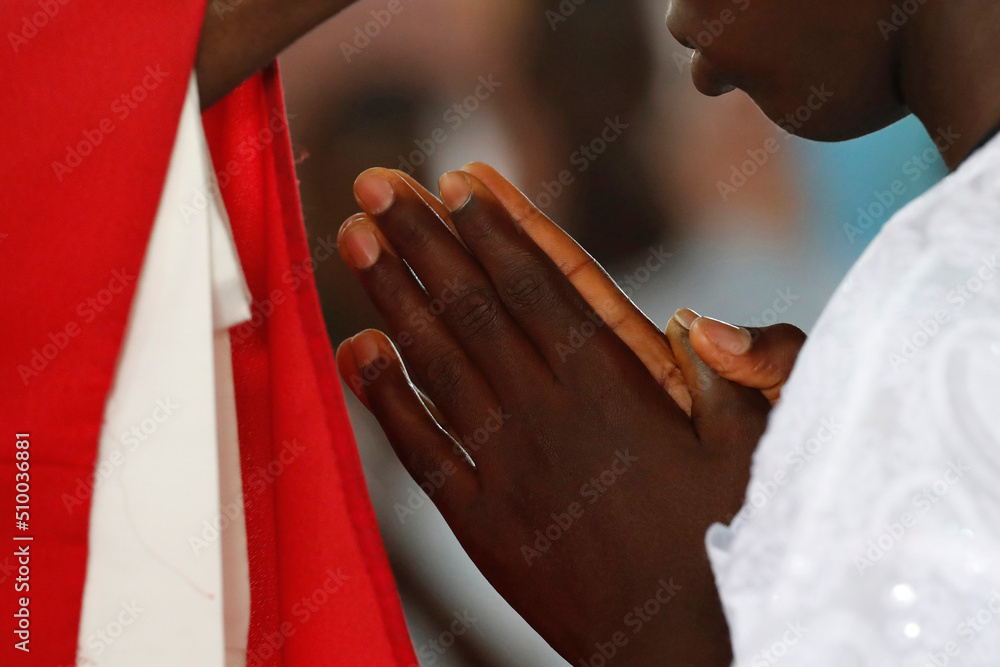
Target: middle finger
(471,307)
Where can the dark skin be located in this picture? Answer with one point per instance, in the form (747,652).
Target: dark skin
(940,63)
(568,417)
(494,362)
(239,37)
(563,421)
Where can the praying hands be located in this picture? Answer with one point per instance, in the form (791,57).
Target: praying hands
(581,476)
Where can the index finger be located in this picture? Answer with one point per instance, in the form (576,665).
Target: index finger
(429,199)
(594,284)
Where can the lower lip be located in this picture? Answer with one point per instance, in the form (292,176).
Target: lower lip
(708,80)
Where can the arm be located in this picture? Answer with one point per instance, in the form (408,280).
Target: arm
(240,37)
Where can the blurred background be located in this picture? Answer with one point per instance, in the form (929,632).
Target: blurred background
(759,226)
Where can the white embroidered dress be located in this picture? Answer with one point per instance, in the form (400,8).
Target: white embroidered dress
(871,530)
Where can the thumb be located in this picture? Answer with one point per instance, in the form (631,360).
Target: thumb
(728,417)
(760,358)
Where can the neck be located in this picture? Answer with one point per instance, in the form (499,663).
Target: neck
(950,72)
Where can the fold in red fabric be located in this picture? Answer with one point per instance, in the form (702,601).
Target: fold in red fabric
(90,98)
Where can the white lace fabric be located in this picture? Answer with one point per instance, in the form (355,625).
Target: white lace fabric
(871,530)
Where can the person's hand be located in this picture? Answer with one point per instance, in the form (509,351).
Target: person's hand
(760,358)
(571,477)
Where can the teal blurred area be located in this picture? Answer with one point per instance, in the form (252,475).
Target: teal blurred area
(856,186)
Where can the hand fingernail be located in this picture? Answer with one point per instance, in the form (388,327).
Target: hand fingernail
(685,316)
(361,245)
(735,340)
(374,192)
(365,350)
(456,190)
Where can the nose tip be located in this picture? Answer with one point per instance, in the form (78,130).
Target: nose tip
(673,23)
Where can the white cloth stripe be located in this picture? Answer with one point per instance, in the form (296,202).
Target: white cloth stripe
(156,593)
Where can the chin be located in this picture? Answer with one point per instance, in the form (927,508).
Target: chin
(826,117)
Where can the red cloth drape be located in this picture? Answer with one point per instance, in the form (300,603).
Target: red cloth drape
(90,97)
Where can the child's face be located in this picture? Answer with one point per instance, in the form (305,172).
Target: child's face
(822,69)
